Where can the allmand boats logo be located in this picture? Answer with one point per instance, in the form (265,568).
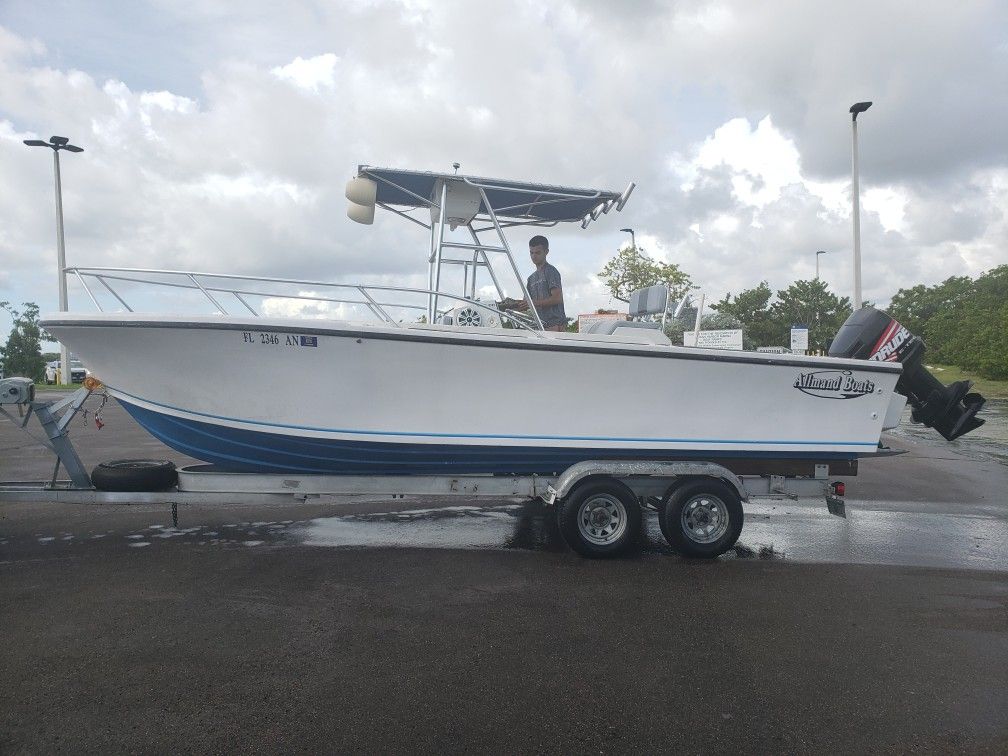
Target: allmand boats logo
(833,384)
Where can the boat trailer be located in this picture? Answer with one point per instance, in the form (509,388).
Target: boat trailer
(598,503)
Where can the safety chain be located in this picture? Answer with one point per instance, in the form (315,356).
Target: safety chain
(96,414)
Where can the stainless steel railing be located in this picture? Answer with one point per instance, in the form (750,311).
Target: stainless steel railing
(373,297)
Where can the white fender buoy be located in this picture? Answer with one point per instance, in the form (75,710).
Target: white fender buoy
(361,213)
(362,191)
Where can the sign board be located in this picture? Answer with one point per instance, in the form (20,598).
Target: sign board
(799,338)
(726,339)
(589,319)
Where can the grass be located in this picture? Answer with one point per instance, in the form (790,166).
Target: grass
(40,387)
(991,389)
(56,387)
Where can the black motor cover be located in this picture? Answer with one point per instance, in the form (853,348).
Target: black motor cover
(870,334)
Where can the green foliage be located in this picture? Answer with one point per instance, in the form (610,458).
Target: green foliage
(989,387)
(813,304)
(22,355)
(963,322)
(766,323)
(915,306)
(675,328)
(632,269)
(719,321)
(751,308)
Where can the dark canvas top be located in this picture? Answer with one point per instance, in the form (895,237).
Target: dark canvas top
(509,199)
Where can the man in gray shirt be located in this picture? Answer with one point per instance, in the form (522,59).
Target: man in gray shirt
(544,288)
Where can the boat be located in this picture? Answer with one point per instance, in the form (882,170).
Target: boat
(399,380)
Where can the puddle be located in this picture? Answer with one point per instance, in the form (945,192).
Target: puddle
(792,531)
(808,534)
(458,527)
(989,441)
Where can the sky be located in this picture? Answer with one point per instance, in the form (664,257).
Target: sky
(218,136)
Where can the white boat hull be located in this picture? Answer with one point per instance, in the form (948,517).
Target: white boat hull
(263,395)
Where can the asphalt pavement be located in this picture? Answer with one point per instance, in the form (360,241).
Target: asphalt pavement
(443,625)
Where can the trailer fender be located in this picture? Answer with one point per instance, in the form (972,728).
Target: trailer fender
(623,470)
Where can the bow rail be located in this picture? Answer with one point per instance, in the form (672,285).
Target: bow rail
(372,297)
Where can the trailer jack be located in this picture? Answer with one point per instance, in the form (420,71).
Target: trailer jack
(54,425)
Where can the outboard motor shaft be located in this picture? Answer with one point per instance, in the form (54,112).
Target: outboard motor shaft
(870,334)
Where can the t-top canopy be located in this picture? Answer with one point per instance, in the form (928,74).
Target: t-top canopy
(514,200)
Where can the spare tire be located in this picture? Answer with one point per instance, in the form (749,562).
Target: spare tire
(134,475)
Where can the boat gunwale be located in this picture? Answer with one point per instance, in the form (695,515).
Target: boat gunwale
(451,336)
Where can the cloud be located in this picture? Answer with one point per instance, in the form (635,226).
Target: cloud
(311,74)
(730,116)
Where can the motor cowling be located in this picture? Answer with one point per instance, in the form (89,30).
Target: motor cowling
(870,334)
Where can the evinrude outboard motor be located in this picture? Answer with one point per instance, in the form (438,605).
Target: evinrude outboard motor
(870,334)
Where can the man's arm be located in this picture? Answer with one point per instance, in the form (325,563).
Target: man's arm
(555,298)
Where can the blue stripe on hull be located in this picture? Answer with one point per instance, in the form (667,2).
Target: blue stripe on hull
(259,451)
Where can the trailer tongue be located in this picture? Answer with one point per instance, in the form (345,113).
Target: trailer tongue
(871,334)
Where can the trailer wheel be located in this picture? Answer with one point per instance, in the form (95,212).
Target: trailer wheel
(134,475)
(600,519)
(678,483)
(702,519)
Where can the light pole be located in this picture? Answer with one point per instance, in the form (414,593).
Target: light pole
(57,143)
(633,241)
(857,107)
(820,252)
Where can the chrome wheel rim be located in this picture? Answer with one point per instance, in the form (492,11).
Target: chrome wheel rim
(602,519)
(704,518)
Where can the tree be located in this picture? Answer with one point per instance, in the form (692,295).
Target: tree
(813,304)
(971,330)
(632,269)
(22,354)
(751,308)
(915,306)
(719,321)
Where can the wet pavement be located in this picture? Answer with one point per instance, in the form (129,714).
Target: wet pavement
(796,531)
(446,625)
(989,441)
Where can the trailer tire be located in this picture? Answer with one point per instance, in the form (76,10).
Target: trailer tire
(702,519)
(134,475)
(676,485)
(600,519)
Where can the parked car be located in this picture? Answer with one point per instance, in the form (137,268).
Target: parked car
(77,371)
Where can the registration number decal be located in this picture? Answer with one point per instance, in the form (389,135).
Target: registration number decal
(279,339)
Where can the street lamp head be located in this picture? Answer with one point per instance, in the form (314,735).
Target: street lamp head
(55,143)
(627,230)
(858,107)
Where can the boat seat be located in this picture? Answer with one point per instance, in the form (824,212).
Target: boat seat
(652,300)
